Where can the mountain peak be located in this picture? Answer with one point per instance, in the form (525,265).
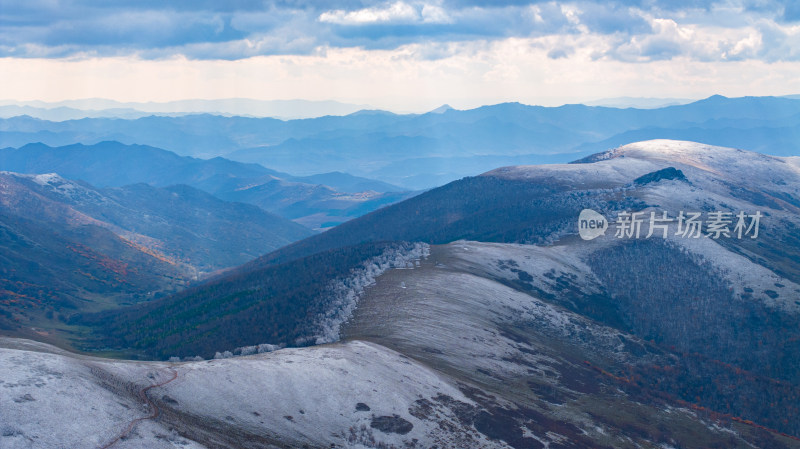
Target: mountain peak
(622,165)
(48,179)
(441,109)
(370,112)
(35,146)
(678,150)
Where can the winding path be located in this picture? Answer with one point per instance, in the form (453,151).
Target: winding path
(153,414)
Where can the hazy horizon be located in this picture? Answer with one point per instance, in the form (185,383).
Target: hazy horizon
(297,108)
(404,55)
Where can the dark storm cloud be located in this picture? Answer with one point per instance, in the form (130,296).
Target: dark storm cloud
(205,29)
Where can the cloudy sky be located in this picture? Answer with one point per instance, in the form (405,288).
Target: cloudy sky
(400,55)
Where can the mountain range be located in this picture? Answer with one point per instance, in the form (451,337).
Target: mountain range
(69,246)
(506,328)
(103,108)
(317,201)
(418,151)
(508,276)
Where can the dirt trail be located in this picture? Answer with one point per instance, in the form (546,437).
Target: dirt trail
(155,411)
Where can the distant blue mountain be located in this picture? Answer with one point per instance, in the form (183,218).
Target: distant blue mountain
(777,141)
(112,164)
(98,107)
(345,182)
(313,201)
(375,144)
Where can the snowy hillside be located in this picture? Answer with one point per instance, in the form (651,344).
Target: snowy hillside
(345,395)
(620,166)
(649,341)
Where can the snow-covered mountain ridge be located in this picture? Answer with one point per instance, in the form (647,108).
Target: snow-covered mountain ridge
(649,342)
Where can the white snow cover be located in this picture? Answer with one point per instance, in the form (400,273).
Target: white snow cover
(728,163)
(309,395)
(579,176)
(46,178)
(719,179)
(346,292)
(704,165)
(742,273)
(69,190)
(453,311)
(52,399)
(56,401)
(532,259)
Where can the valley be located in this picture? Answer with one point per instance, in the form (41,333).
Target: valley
(400,224)
(500,327)
(511,371)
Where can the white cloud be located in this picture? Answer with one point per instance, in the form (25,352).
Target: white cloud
(779,42)
(669,39)
(641,30)
(391,13)
(435,14)
(465,74)
(746,47)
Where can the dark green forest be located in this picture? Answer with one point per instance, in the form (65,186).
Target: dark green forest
(275,305)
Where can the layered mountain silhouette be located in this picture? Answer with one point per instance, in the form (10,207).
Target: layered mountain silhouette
(419,151)
(68,246)
(317,201)
(479,313)
(533,335)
